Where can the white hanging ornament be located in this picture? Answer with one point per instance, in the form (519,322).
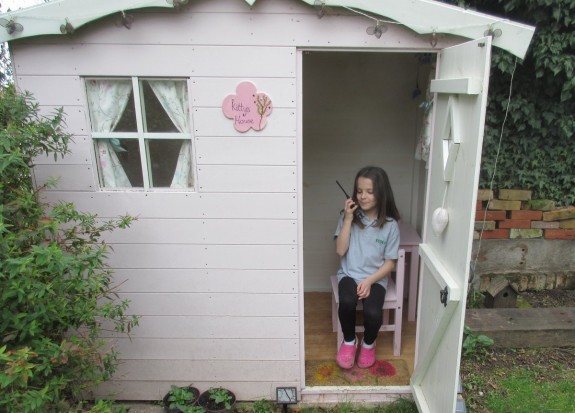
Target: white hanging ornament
(439,220)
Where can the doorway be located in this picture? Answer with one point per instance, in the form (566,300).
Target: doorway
(359,108)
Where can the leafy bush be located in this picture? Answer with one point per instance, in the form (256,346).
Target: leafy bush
(221,397)
(475,298)
(107,406)
(537,146)
(263,406)
(475,345)
(183,399)
(56,293)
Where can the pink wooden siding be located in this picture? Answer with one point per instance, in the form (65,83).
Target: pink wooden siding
(214,273)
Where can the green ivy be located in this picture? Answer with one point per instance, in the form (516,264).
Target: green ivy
(56,293)
(5,66)
(538,142)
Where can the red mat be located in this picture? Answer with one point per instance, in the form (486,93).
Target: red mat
(382,373)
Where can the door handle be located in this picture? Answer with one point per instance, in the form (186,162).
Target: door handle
(443,296)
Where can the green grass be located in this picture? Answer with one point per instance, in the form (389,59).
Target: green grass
(473,385)
(399,406)
(266,406)
(522,391)
(531,380)
(402,406)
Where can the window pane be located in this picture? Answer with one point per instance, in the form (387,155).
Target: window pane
(119,163)
(127,122)
(111,105)
(170,163)
(165,105)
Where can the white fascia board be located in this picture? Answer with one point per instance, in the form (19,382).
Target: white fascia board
(421,16)
(428,17)
(47,18)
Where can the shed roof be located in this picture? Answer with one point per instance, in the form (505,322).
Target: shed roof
(421,16)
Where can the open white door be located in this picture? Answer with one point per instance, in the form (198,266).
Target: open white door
(460,102)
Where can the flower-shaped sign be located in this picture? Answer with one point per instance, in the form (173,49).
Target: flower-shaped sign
(248,108)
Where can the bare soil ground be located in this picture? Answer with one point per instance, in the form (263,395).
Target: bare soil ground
(479,374)
(550,298)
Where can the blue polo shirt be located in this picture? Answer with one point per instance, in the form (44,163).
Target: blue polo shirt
(368,248)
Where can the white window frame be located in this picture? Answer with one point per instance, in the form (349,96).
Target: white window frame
(142,136)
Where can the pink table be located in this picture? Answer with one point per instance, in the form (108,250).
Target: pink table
(409,241)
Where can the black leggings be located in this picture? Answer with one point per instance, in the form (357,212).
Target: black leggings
(372,310)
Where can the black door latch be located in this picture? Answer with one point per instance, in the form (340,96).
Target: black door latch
(443,296)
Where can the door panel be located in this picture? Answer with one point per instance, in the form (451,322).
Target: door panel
(460,101)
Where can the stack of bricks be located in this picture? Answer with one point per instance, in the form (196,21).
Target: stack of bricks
(514,215)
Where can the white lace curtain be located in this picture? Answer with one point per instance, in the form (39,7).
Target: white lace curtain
(173,96)
(424,140)
(107,101)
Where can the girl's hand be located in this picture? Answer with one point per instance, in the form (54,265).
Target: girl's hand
(363,289)
(349,208)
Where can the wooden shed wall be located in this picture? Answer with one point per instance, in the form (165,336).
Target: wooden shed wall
(215,273)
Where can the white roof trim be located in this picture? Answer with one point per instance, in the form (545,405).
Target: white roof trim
(47,18)
(422,16)
(428,16)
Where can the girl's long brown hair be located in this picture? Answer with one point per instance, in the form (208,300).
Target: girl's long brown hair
(383,195)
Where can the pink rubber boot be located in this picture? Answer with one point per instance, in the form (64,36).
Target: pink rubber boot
(346,355)
(366,356)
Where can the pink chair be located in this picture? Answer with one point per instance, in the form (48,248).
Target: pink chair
(393,301)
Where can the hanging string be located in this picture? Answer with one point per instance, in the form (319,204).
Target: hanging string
(447,29)
(492,180)
(445,195)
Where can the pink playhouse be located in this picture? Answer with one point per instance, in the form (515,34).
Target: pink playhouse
(223,125)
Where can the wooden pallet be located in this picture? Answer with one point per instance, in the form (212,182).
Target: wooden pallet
(525,327)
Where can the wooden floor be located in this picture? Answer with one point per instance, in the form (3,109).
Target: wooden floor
(320,340)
